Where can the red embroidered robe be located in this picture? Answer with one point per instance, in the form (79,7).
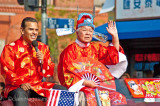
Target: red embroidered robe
(19,65)
(106,55)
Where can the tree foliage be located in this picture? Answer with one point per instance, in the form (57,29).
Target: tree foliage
(57,43)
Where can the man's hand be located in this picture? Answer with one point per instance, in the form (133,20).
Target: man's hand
(112,30)
(90,83)
(25,86)
(39,56)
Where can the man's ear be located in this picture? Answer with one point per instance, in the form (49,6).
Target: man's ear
(22,30)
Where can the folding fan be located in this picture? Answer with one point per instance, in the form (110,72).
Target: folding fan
(90,69)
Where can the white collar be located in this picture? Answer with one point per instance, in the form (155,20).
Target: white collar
(81,44)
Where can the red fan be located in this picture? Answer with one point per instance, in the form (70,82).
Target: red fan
(90,69)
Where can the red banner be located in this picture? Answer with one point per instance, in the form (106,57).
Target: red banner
(143,88)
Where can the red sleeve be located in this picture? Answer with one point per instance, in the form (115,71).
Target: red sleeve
(8,67)
(108,55)
(121,49)
(67,77)
(48,65)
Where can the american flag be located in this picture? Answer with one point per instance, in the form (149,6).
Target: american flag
(60,98)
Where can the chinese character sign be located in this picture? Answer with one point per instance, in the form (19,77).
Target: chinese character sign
(132,9)
(158,3)
(126,4)
(148,3)
(137,4)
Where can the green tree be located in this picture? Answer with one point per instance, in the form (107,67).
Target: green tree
(54,41)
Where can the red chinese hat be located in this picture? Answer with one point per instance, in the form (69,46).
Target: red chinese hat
(85,19)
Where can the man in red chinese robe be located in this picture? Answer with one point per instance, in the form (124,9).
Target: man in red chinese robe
(24,68)
(83,47)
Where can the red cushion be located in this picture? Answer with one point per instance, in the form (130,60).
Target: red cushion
(31,102)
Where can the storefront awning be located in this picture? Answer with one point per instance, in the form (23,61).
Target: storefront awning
(134,29)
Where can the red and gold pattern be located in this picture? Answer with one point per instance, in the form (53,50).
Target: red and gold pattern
(90,69)
(144,88)
(20,65)
(106,55)
(104,97)
(95,51)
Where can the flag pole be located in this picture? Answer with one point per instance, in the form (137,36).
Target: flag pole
(97,97)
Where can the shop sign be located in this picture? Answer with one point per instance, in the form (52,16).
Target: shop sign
(137,9)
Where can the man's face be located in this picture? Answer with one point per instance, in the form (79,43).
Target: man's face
(85,34)
(30,32)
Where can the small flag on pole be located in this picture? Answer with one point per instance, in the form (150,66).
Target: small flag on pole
(60,98)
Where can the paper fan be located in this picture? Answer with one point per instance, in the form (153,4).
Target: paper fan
(90,69)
